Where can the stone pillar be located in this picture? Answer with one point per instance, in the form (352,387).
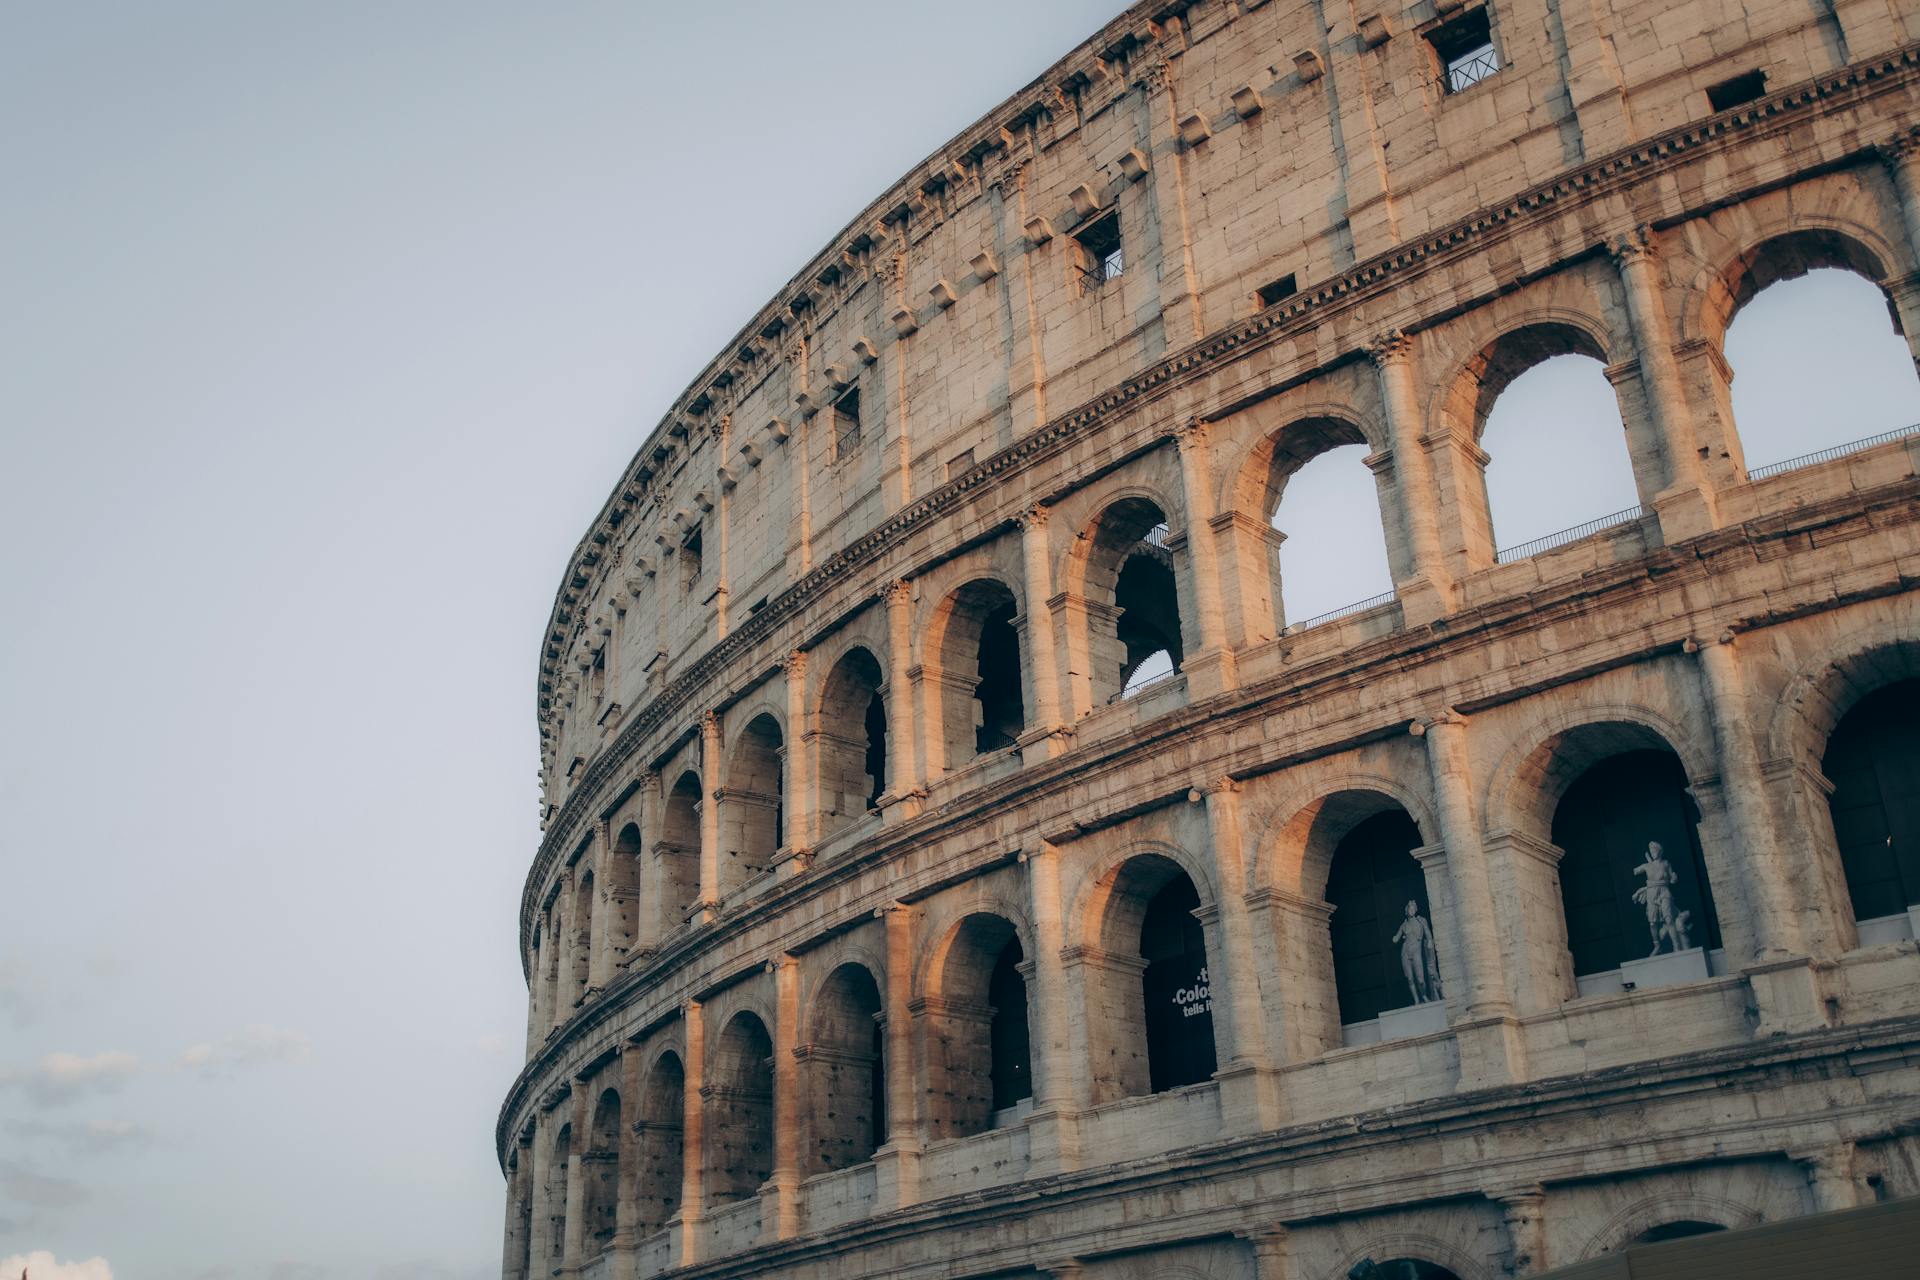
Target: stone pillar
(1046,734)
(1523,1211)
(1490,1048)
(539,1020)
(542,1259)
(799,767)
(780,1199)
(624,1262)
(1430,591)
(515,1251)
(1209,669)
(693,1145)
(1295,953)
(574,1253)
(1901,155)
(897,1162)
(711,773)
(600,956)
(1058,1079)
(567,908)
(1027,369)
(1685,505)
(1272,1252)
(1249,1089)
(1179,282)
(653,814)
(1833,1177)
(904,792)
(1062,1269)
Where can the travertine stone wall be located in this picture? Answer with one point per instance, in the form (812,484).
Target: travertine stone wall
(725,939)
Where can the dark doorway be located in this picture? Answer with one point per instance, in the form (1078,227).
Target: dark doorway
(1373,877)
(1176,986)
(1873,762)
(1011,1070)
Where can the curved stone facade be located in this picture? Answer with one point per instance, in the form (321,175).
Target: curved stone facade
(890,922)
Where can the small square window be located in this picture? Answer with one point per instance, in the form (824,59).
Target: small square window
(1464,46)
(1742,88)
(1269,294)
(846,424)
(1101,256)
(690,561)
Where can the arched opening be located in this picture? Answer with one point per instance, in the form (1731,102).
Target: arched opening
(1399,1269)
(977,651)
(582,949)
(752,818)
(1125,600)
(600,1174)
(1176,989)
(1633,884)
(1805,314)
(1324,501)
(740,1112)
(846,1071)
(853,741)
(1873,762)
(555,1193)
(623,888)
(1385,957)
(663,1107)
(1559,454)
(1682,1230)
(679,852)
(1149,1002)
(974,1027)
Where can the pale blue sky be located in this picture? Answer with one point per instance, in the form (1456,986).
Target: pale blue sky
(327,328)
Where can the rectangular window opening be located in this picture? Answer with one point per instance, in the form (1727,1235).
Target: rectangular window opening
(846,423)
(1742,88)
(1269,294)
(1101,256)
(1464,46)
(960,463)
(690,561)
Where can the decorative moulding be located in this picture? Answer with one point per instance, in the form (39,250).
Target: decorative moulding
(1084,202)
(1246,101)
(677,427)
(1133,164)
(778,428)
(803,400)
(703,500)
(904,322)
(1308,66)
(1039,231)
(942,294)
(751,454)
(728,481)
(836,375)
(1375,30)
(1194,129)
(865,351)
(984,266)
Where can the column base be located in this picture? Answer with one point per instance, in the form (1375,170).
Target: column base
(1250,1098)
(792,861)
(704,913)
(1492,1052)
(1788,996)
(1683,513)
(900,806)
(1208,672)
(1044,743)
(896,1175)
(1053,1142)
(683,1239)
(780,1207)
(1422,600)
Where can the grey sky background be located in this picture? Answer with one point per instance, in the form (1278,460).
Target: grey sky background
(324,330)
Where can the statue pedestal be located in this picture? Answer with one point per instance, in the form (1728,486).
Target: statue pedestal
(1414,1020)
(1666,970)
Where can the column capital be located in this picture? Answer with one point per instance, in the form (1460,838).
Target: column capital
(1191,434)
(897,591)
(710,723)
(1447,716)
(1634,245)
(1898,151)
(1390,347)
(794,663)
(1034,518)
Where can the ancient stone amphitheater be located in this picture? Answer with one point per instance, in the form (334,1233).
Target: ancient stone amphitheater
(956,865)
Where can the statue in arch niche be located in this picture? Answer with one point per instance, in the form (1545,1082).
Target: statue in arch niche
(1419,962)
(1664,924)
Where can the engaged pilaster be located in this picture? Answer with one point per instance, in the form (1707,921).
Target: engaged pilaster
(1057,1083)
(1047,735)
(798,756)
(904,791)
(711,771)
(897,1163)
(1250,1098)
(1211,669)
(1429,592)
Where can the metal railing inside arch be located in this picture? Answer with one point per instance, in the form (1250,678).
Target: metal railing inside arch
(1829,454)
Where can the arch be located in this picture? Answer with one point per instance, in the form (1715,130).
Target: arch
(974,1027)
(1123,597)
(1438,1258)
(1381,933)
(662,1113)
(752,804)
(555,1191)
(1329,515)
(1650,1213)
(1785,251)
(740,1118)
(1822,691)
(1534,772)
(972,660)
(623,907)
(851,735)
(600,1174)
(1147,985)
(844,1062)
(679,851)
(580,956)
(1299,857)
(1872,761)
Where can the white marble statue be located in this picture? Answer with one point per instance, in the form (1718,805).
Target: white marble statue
(1664,925)
(1419,963)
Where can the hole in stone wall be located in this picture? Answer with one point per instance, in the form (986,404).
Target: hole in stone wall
(1735,90)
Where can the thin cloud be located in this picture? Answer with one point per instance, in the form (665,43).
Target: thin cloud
(16,1006)
(90,1136)
(258,1045)
(41,1266)
(38,1190)
(62,1078)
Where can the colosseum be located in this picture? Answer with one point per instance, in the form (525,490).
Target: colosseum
(956,865)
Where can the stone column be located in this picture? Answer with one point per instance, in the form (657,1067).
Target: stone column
(712,770)
(1295,953)
(1046,734)
(1491,1051)
(1901,155)
(1272,1252)
(1027,370)
(566,908)
(897,1162)
(1430,591)
(1062,1269)
(542,1260)
(539,1021)
(574,1252)
(799,767)
(1523,1211)
(1833,1177)
(1210,669)
(780,1199)
(646,928)
(515,1251)
(600,957)
(1179,281)
(693,1145)
(1058,1079)
(1249,1090)
(904,792)
(1685,506)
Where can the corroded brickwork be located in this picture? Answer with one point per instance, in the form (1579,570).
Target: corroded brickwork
(888,922)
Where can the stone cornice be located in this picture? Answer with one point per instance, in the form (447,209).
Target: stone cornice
(1198,361)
